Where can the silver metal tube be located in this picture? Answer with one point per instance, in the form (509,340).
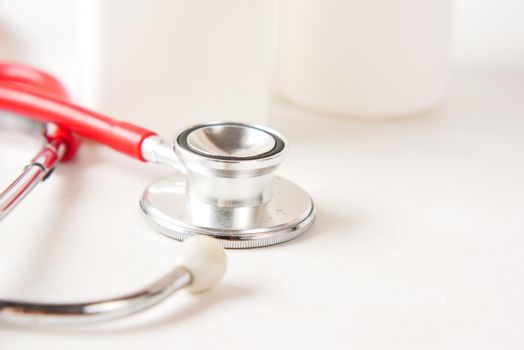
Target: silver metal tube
(20,188)
(22,312)
(35,172)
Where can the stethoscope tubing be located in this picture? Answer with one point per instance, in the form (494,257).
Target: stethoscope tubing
(37,95)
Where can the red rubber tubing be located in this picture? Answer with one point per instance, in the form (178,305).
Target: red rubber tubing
(24,75)
(37,95)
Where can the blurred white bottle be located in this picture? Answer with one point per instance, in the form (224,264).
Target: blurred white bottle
(370,58)
(166,64)
(43,34)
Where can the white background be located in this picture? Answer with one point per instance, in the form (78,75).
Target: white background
(418,242)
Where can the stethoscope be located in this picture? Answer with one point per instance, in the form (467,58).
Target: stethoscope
(225,189)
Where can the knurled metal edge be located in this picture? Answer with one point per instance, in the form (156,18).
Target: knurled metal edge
(285,234)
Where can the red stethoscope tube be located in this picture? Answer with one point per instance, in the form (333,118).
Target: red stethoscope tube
(37,95)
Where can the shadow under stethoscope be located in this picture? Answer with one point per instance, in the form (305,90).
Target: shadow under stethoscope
(219,295)
(325,223)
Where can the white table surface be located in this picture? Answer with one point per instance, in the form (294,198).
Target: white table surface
(419,241)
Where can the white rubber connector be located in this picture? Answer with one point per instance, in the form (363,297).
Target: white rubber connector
(206,261)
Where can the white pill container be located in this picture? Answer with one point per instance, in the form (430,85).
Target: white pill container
(365,58)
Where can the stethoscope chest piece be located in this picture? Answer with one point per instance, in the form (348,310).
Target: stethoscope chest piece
(229,191)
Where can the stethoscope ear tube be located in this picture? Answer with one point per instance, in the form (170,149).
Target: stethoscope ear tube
(200,265)
(58,142)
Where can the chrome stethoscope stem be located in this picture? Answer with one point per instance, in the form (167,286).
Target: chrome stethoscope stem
(35,172)
(102,310)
